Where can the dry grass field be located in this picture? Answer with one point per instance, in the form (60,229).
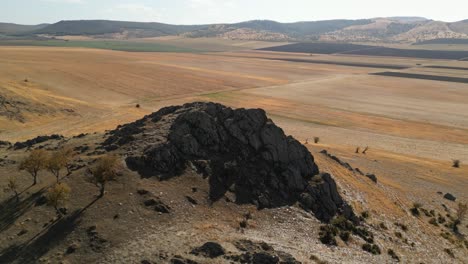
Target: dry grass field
(413,128)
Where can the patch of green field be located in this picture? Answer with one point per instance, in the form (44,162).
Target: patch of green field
(104,44)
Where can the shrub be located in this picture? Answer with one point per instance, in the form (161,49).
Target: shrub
(399,235)
(327,235)
(357,150)
(415,209)
(383,226)
(345,235)
(433,221)
(106,169)
(456,164)
(365,214)
(402,226)
(449,252)
(137,105)
(36,161)
(58,195)
(371,248)
(441,219)
(316,140)
(364,234)
(243,223)
(393,255)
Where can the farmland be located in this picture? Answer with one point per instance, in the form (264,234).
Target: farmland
(365,50)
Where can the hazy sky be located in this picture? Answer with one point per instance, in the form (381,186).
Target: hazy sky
(212,11)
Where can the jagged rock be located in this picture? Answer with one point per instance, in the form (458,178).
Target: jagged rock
(450,197)
(37,140)
(238,150)
(372,177)
(209,250)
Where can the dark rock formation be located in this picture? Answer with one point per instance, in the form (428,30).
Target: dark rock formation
(259,253)
(34,141)
(209,250)
(450,197)
(239,150)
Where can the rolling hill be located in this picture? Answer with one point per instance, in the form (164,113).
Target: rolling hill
(388,30)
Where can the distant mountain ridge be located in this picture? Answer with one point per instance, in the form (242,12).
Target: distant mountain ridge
(389,30)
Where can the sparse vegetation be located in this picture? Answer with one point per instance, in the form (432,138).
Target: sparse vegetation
(449,252)
(316,140)
(393,255)
(358,149)
(137,105)
(456,164)
(433,221)
(415,209)
(365,214)
(58,195)
(371,248)
(105,170)
(36,161)
(327,235)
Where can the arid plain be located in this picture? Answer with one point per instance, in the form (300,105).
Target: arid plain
(414,128)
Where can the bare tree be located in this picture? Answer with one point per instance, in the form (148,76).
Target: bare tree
(12,186)
(106,169)
(58,195)
(36,161)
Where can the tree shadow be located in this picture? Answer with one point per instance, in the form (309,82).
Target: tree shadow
(35,248)
(11,209)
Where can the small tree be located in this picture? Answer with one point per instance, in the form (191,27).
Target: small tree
(58,195)
(106,169)
(36,161)
(55,163)
(12,186)
(67,154)
(462,210)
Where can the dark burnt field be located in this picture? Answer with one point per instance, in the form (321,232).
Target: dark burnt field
(352,49)
(447,67)
(422,77)
(443,41)
(352,64)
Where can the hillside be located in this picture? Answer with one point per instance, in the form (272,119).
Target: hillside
(205,183)
(9,28)
(390,30)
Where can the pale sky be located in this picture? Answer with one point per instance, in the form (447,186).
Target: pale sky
(228,11)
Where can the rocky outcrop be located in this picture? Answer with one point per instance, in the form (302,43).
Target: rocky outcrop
(31,142)
(241,151)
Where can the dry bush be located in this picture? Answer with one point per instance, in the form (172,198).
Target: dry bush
(58,195)
(36,161)
(316,140)
(456,164)
(358,149)
(105,170)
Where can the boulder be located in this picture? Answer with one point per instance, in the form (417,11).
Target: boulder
(209,250)
(450,197)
